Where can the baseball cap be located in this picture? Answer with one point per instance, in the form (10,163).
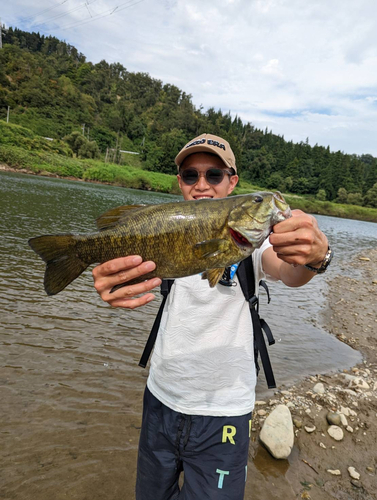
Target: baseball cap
(208,143)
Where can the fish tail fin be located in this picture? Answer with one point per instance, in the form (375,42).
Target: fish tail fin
(63,265)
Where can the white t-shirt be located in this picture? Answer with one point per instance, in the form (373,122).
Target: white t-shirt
(203,359)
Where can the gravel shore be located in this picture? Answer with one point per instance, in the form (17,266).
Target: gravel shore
(320,467)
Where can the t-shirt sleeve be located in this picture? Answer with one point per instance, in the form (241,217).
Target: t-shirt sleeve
(258,268)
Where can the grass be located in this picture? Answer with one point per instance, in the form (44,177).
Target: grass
(21,149)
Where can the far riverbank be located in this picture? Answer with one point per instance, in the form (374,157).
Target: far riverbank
(137,178)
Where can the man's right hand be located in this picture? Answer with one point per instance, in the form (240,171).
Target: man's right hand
(118,271)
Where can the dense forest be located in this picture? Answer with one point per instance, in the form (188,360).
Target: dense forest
(53,90)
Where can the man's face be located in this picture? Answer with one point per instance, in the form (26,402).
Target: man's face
(202,189)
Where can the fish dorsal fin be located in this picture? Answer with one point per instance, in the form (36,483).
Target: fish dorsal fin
(213,276)
(113,216)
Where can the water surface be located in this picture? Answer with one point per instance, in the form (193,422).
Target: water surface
(71,389)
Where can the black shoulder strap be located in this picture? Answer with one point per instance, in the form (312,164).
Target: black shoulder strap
(245,273)
(165,290)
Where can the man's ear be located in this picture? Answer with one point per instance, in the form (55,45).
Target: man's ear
(233,180)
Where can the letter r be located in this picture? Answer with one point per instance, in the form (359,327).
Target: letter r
(229,431)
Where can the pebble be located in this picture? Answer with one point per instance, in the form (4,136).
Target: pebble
(365,259)
(260,403)
(353,473)
(370,469)
(349,428)
(319,388)
(322,446)
(343,420)
(333,418)
(334,472)
(345,411)
(335,432)
(309,430)
(297,422)
(356,483)
(359,383)
(261,413)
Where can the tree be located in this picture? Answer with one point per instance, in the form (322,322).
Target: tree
(321,195)
(342,195)
(370,199)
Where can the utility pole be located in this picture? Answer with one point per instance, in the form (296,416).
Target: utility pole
(8,114)
(83,129)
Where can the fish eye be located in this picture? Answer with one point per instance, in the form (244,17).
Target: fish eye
(258,199)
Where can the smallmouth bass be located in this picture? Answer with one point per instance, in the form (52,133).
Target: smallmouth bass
(182,238)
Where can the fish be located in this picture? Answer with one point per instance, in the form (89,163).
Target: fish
(183,238)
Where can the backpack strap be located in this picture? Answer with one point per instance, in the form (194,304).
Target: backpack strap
(165,290)
(245,273)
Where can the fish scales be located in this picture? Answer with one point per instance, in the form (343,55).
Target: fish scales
(182,238)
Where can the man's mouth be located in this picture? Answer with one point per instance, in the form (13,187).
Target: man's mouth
(202,197)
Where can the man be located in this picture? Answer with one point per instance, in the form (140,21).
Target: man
(201,387)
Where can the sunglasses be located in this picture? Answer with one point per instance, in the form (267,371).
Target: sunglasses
(213,176)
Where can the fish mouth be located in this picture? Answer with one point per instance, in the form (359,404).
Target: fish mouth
(240,240)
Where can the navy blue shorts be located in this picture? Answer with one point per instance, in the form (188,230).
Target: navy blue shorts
(212,452)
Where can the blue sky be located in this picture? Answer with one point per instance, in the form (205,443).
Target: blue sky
(302,69)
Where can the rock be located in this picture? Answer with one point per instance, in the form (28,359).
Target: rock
(333,418)
(352,472)
(345,411)
(359,383)
(335,432)
(334,472)
(349,428)
(290,404)
(343,420)
(322,446)
(356,483)
(277,432)
(297,422)
(260,403)
(309,430)
(370,469)
(285,393)
(319,388)
(261,413)
(365,259)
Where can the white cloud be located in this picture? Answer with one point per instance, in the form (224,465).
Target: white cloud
(304,69)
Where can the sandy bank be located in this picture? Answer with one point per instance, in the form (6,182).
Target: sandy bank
(352,317)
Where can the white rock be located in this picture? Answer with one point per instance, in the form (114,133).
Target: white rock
(322,446)
(277,433)
(290,404)
(343,420)
(335,432)
(349,428)
(359,383)
(345,411)
(352,412)
(335,472)
(285,393)
(261,413)
(260,403)
(352,472)
(319,388)
(309,429)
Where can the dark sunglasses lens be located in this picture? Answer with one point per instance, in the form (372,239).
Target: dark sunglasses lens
(190,176)
(214,176)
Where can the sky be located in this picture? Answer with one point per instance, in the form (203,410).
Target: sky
(305,70)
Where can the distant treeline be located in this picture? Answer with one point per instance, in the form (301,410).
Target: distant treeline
(54,91)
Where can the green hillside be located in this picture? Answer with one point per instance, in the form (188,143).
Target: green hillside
(54,91)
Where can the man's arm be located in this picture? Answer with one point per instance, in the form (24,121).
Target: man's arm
(295,242)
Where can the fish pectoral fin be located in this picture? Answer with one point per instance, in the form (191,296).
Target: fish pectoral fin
(114,216)
(213,276)
(211,248)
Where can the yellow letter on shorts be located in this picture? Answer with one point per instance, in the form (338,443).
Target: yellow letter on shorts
(229,431)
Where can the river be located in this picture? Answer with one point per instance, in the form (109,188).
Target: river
(70,385)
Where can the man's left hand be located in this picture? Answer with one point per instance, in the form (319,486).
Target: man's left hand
(299,240)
